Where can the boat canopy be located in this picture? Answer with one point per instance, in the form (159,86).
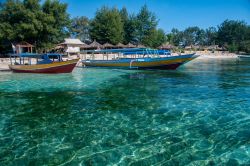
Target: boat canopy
(35,55)
(130,51)
(40,58)
(26,55)
(52,56)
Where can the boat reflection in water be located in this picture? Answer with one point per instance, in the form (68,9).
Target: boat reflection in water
(45,63)
(137,58)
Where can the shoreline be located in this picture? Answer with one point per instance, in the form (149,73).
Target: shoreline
(4,62)
(205,56)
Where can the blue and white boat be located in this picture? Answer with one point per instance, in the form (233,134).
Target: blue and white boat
(138,58)
(244,57)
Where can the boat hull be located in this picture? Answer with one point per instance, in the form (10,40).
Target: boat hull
(165,63)
(244,57)
(55,67)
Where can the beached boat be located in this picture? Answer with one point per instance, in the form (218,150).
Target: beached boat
(45,63)
(244,57)
(138,58)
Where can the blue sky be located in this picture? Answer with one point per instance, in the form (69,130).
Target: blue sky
(172,13)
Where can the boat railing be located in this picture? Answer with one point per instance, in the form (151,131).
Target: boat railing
(125,52)
(34,58)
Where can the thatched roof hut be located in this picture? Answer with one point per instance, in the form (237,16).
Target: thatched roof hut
(120,45)
(94,45)
(166,47)
(140,46)
(215,48)
(22,47)
(188,47)
(130,45)
(108,45)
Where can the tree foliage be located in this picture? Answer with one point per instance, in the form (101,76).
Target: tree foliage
(210,36)
(193,36)
(80,28)
(45,23)
(107,26)
(146,24)
(40,24)
(113,26)
(233,35)
(155,38)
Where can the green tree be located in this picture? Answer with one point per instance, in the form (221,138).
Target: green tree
(107,26)
(210,36)
(29,20)
(232,33)
(192,36)
(146,24)
(12,16)
(175,37)
(130,30)
(80,28)
(125,22)
(56,23)
(129,25)
(156,38)
(245,45)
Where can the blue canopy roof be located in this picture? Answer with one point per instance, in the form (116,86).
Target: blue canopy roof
(28,55)
(116,50)
(128,51)
(35,55)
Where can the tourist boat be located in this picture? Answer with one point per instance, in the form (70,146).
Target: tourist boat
(45,63)
(244,57)
(137,58)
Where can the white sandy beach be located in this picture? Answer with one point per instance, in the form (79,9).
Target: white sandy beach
(4,62)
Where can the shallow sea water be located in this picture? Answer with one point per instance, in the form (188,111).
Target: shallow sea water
(196,115)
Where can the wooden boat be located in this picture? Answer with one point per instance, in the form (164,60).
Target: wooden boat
(45,63)
(141,58)
(244,57)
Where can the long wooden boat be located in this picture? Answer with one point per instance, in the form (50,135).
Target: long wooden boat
(45,65)
(164,63)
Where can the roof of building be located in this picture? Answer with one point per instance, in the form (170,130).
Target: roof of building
(130,45)
(94,44)
(23,44)
(140,46)
(108,45)
(69,41)
(166,46)
(120,45)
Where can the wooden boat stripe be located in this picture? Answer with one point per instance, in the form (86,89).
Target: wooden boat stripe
(138,64)
(43,66)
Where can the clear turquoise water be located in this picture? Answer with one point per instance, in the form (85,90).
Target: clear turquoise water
(197,115)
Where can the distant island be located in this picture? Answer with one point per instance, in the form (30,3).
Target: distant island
(46,24)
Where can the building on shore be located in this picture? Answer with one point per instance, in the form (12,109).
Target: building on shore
(94,46)
(22,47)
(166,46)
(72,46)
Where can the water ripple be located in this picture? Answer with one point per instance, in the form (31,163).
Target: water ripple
(197,115)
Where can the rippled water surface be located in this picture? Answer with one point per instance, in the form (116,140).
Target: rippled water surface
(196,115)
